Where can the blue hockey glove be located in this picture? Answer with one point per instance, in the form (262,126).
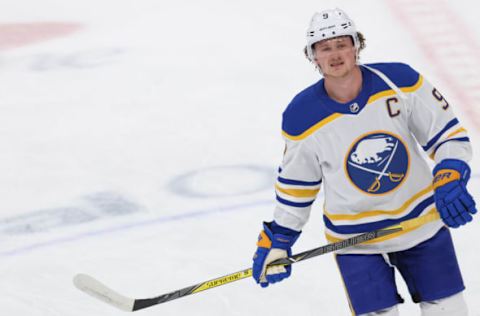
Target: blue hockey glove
(452,199)
(274,242)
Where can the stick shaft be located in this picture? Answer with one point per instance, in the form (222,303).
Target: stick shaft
(207,285)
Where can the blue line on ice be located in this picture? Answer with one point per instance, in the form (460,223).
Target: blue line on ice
(143,223)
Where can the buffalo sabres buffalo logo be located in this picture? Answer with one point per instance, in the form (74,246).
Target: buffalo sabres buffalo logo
(377,163)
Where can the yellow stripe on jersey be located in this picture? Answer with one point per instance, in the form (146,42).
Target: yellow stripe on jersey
(422,220)
(461,129)
(415,87)
(380,95)
(301,193)
(390,92)
(312,129)
(334,217)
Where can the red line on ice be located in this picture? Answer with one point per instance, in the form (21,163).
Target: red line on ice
(447,42)
(13,35)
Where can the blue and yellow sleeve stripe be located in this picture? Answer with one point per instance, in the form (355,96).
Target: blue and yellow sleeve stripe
(452,131)
(296,193)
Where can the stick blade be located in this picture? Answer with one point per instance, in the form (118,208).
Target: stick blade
(93,287)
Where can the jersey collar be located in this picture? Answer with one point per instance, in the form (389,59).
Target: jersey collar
(353,107)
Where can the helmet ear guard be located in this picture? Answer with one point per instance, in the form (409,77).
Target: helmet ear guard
(330,24)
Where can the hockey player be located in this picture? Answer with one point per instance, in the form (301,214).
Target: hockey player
(357,131)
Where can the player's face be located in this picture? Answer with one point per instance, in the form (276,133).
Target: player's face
(336,57)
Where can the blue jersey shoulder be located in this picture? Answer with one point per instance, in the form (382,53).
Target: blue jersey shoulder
(307,108)
(303,112)
(402,75)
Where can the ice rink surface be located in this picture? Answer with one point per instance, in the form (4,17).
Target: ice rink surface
(139,142)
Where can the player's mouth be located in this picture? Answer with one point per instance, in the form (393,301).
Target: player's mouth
(336,64)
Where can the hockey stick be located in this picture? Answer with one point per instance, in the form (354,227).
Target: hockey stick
(96,289)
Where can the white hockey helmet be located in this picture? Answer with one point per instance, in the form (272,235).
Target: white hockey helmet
(329,24)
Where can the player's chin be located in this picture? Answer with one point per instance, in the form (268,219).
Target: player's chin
(337,72)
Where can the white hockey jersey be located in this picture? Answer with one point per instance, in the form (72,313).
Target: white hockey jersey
(367,155)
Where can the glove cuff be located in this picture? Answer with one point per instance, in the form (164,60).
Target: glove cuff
(276,236)
(449,170)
